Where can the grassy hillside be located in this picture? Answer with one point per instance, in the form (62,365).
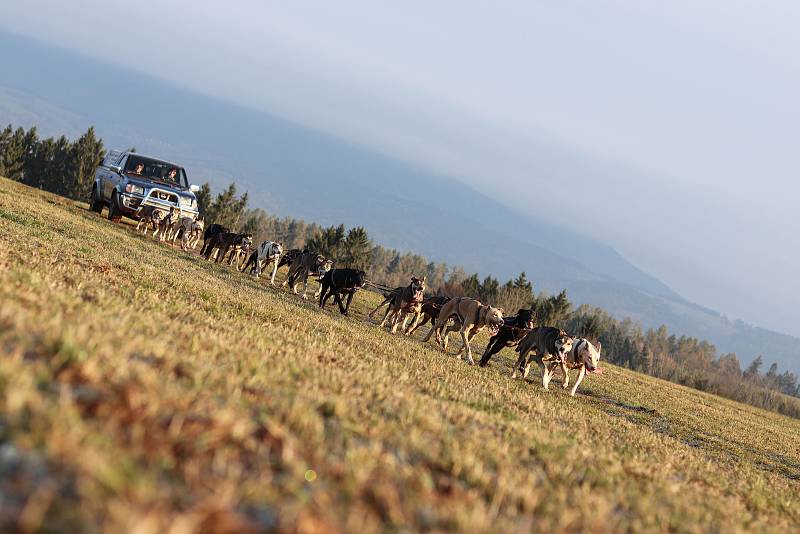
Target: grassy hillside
(144,388)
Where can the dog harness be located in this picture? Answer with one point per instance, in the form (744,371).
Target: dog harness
(574,352)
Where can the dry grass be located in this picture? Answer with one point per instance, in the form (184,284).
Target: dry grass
(144,389)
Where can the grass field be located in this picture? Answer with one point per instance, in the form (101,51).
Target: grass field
(144,389)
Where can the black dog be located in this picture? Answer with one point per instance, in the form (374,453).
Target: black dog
(210,235)
(510,334)
(289,256)
(227,241)
(338,282)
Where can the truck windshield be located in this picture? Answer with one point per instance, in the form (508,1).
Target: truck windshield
(156,170)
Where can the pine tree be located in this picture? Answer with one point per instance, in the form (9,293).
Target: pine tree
(521,282)
(590,328)
(553,311)
(204,199)
(356,249)
(487,290)
(87,154)
(226,209)
(753,370)
(328,242)
(5,140)
(471,286)
(40,167)
(18,149)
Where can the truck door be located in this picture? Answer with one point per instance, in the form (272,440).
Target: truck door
(112,178)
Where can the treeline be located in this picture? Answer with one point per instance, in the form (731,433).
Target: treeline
(58,165)
(67,168)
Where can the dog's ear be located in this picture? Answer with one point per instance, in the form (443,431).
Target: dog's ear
(599,347)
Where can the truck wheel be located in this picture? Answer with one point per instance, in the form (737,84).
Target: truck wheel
(95,205)
(113,209)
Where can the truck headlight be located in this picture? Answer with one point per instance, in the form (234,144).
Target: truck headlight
(187,202)
(133,188)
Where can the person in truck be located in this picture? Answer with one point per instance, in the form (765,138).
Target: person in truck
(172,175)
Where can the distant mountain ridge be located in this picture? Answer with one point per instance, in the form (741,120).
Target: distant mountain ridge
(291,170)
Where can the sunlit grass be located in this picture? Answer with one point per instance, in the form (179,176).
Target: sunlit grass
(142,387)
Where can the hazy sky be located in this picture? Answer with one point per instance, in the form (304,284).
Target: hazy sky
(666,129)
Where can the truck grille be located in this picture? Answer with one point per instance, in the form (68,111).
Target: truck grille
(168,197)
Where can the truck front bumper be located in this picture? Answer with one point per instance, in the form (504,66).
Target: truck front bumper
(132,204)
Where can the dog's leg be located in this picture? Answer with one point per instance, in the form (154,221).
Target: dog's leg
(437,331)
(527,369)
(337,298)
(578,380)
(274,272)
(381,305)
(491,348)
(397,316)
(323,296)
(420,323)
(295,284)
(305,285)
(564,370)
(349,300)
(463,333)
(404,319)
(470,335)
(449,329)
(389,310)
(519,363)
(430,333)
(547,374)
(447,341)
(413,325)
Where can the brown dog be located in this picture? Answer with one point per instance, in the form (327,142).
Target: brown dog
(407,300)
(429,311)
(473,316)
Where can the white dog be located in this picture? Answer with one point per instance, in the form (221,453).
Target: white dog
(583,356)
(266,253)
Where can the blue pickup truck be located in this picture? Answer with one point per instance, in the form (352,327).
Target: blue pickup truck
(126,182)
